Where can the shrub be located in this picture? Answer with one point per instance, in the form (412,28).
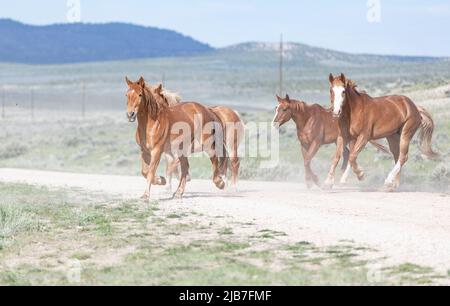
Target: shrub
(12,151)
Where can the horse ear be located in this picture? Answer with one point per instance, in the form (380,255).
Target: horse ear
(129,83)
(343,79)
(288,98)
(279,99)
(141,82)
(331,78)
(159,89)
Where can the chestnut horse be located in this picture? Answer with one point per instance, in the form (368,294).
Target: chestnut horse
(233,129)
(315,127)
(363,118)
(160,129)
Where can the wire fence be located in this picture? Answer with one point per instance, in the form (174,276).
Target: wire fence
(79,99)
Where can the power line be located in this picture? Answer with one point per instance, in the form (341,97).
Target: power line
(3,102)
(32,103)
(83,101)
(281,65)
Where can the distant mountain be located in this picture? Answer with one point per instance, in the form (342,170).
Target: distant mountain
(77,43)
(73,43)
(310,56)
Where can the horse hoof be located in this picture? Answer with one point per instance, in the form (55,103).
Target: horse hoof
(361,176)
(145,196)
(220,185)
(177,195)
(390,186)
(188,178)
(327,186)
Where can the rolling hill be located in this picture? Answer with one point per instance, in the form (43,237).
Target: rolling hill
(74,43)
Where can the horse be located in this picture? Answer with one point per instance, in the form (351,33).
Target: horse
(174,131)
(363,118)
(315,127)
(172,165)
(233,129)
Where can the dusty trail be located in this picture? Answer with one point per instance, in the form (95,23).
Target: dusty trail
(406,227)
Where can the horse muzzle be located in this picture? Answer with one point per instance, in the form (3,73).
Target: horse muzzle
(132,116)
(336,116)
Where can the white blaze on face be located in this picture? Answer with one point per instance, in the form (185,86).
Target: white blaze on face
(338,99)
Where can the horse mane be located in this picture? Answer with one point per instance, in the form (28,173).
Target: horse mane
(299,106)
(352,84)
(153,103)
(171,97)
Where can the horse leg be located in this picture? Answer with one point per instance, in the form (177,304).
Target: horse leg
(356,149)
(394,147)
(171,170)
(346,166)
(152,179)
(217,179)
(307,172)
(308,155)
(145,165)
(184,163)
(409,130)
(235,165)
(340,145)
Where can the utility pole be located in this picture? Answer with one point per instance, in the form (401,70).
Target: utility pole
(83,101)
(3,102)
(32,103)
(281,66)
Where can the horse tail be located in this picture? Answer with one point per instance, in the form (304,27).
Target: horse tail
(380,147)
(426,134)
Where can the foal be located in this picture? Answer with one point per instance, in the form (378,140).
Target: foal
(315,127)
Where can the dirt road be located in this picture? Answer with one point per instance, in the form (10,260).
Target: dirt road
(404,227)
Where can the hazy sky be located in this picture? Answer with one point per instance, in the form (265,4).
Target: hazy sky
(411,27)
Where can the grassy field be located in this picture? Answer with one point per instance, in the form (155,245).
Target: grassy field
(73,237)
(69,237)
(104,143)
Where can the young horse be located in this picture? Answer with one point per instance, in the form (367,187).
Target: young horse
(315,127)
(160,129)
(363,118)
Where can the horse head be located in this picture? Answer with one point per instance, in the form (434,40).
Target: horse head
(135,98)
(338,93)
(283,112)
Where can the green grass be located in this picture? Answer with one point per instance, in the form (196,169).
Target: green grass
(127,242)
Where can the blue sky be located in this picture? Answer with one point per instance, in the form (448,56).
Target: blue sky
(411,27)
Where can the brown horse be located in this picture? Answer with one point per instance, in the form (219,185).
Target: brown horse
(363,118)
(315,127)
(177,131)
(233,129)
